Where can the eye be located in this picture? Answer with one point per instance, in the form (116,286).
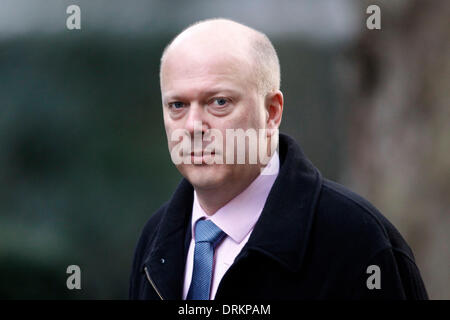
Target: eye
(176,105)
(220,101)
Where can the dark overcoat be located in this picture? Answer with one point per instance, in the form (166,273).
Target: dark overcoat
(315,239)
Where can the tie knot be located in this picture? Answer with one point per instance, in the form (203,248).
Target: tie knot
(207,231)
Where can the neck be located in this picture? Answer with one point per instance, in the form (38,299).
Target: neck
(211,200)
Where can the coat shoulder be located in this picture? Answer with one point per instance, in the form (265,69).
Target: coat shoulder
(350,217)
(350,234)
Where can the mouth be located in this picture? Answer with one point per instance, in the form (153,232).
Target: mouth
(200,158)
(202,153)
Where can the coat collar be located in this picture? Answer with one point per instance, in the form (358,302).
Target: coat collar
(284,226)
(281,232)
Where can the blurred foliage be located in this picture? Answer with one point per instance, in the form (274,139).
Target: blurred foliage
(83,153)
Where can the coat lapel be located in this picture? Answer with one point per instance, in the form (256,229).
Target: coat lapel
(283,228)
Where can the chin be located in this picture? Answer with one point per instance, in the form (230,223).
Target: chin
(204,176)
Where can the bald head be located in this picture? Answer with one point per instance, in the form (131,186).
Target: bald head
(238,41)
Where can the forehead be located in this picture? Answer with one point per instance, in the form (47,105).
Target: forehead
(201,68)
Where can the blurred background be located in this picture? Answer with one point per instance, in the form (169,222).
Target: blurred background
(83,154)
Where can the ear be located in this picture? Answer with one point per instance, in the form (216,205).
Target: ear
(274,110)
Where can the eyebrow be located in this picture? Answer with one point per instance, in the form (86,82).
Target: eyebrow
(208,93)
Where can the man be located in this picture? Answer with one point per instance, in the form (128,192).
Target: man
(266,229)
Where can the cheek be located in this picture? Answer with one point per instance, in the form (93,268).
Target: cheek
(169,132)
(169,125)
(245,115)
(252,116)
(166,122)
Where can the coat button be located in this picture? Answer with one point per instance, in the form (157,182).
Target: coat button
(162,260)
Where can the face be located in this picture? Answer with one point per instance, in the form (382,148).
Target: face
(216,89)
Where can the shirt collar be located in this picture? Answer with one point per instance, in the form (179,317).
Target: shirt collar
(238,217)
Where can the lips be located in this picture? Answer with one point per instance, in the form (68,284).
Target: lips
(200,154)
(201,158)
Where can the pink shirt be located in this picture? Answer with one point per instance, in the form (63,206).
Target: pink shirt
(237,219)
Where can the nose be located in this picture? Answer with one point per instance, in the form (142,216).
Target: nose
(195,121)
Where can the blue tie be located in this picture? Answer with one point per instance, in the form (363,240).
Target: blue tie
(207,237)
